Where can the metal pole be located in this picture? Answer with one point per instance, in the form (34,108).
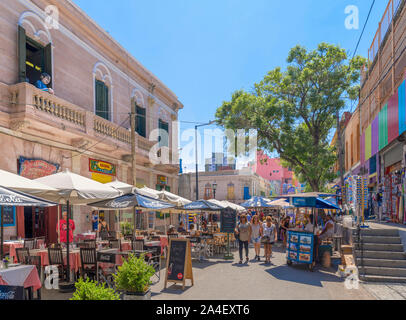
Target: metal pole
(67,243)
(133,156)
(2,233)
(340,156)
(197,166)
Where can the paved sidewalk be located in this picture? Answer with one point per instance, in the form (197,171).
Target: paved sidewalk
(218,279)
(386,291)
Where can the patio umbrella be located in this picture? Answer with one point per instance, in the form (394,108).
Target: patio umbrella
(132,200)
(234,206)
(75,189)
(19,183)
(256,202)
(9,197)
(120,186)
(281,203)
(204,205)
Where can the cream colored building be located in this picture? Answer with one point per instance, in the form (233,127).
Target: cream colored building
(85,125)
(232,185)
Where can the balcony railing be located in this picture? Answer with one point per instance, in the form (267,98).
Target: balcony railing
(390,12)
(111,130)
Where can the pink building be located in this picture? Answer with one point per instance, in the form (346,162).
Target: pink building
(272,170)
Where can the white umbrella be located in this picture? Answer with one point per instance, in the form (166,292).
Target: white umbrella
(75,189)
(233,206)
(125,188)
(148,192)
(173,198)
(19,183)
(282,203)
(78,189)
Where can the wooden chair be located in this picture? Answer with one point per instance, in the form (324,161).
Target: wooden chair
(38,241)
(55,258)
(91,243)
(88,259)
(22,254)
(55,245)
(115,244)
(13,238)
(29,244)
(138,245)
(35,261)
(172,236)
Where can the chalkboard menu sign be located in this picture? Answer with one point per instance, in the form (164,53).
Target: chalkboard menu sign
(179,262)
(9,216)
(11,293)
(177,258)
(228,218)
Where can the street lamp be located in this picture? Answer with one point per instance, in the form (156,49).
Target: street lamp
(197,163)
(214,189)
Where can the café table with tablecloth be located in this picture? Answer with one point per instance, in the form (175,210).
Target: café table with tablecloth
(21,276)
(74,255)
(85,236)
(10,247)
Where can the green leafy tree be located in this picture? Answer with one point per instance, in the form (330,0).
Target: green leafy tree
(294,110)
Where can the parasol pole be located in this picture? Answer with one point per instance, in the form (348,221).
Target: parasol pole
(2,233)
(67,243)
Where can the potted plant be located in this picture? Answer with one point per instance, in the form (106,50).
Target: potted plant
(6,261)
(90,290)
(126,228)
(133,278)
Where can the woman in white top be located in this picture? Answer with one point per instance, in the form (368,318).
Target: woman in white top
(268,238)
(256,236)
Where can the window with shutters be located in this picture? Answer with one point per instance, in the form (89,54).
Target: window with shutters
(102,100)
(141,121)
(163,137)
(34,58)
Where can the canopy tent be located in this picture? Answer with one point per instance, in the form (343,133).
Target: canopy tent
(256,202)
(75,189)
(148,192)
(226,204)
(125,188)
(132,200)
(203,205)
(308,195)
(280,203)
(19,183)
(164,195)
(13,198)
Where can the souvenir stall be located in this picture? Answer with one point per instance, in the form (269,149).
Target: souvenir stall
(393,196)
(301,244)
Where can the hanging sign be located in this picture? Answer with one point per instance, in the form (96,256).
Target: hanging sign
(36,168)
(103,167)
(162,180)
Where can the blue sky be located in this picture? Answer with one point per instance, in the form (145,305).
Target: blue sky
(205,50)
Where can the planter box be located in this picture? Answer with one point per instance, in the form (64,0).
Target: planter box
(136,295)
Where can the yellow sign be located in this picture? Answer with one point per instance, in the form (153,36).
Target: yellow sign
(102,178)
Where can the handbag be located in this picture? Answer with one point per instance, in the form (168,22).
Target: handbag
(265,239)
(237,235)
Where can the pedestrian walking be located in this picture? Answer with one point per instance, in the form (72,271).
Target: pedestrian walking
(256,228)
(243,232)
(268,238)
(284,229)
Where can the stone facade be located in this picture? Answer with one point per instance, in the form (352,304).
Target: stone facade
(63,128)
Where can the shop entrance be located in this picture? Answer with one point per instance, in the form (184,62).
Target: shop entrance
(35,222)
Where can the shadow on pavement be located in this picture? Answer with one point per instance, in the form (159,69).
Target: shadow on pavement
(301,274)
(173,289)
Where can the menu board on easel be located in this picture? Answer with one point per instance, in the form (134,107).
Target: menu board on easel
(179,262)
(228,219)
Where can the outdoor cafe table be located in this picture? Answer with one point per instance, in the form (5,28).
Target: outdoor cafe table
(21,276)
(10,247)
(85,236)
(119,255)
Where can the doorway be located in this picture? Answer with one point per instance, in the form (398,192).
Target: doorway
(28,222)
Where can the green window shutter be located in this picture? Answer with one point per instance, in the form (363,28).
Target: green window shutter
(22,54)
(102,100)
(48,61)
(164,140)
(141,121)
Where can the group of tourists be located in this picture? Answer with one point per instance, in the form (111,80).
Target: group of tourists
(258,232)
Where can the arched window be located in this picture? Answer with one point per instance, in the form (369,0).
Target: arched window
(103,91)
(141,112)
(34,48)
